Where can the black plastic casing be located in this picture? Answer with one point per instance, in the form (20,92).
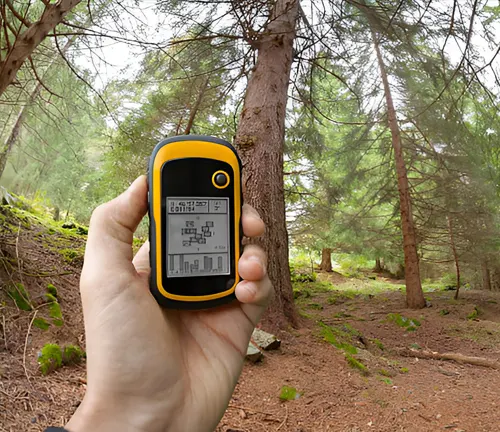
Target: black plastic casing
(185,177)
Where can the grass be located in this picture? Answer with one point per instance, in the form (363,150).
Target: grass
(356,364)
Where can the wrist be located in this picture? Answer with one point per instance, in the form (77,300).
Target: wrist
(109,415)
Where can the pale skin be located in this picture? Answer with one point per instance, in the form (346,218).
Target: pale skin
(150,369)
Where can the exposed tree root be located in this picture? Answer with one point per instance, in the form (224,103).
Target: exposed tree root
(456,357)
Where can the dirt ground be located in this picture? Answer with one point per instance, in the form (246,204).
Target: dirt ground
(431,396)
(396,393)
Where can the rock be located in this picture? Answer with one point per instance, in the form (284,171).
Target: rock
(253,353)
(265,340)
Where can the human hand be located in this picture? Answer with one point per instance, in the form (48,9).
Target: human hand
(150,369)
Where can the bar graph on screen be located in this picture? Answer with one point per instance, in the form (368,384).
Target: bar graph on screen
(197,264)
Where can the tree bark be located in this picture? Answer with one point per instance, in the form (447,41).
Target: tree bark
(27,42)
(414,294)
(260,141)
(455,255)
(326,260)
(378,266)
(486,276)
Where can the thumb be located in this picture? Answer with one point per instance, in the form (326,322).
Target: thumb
(112,228)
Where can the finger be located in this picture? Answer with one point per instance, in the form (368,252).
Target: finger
(252,264)
(253,225)
(254,297)
(112,227)
(141,260)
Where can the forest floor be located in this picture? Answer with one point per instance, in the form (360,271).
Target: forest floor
(346,362)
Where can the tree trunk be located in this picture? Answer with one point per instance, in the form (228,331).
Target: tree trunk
(455,255)
(196,107)
(260,141)
(26,43)
(326,260)
(16,128)
(12,138)
(414,294)
(486,276)
(378,266)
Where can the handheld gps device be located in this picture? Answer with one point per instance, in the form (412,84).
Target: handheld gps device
(195,231)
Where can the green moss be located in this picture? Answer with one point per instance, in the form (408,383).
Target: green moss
(385,373)
(444,312)
(52,290)
(72,256)
(50,358)
(342,315)
(315,306)
(378,344)
(56,314)
(301,293)
(50,298)
(20,297)
(403,370)
(474,314)
(387,381)
(338,338)
(341,297)
(356,364)
(72,354)
(289,393)
(306,315)
(415,346)
(411,324)
(41,323)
